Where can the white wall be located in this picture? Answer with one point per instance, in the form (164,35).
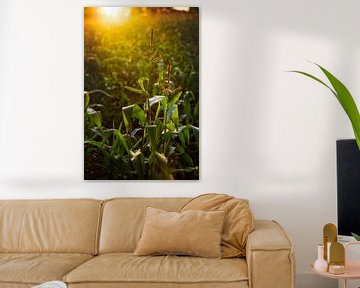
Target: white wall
(267,135)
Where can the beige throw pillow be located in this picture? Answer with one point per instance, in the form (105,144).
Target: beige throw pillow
(239,220)
(193,232)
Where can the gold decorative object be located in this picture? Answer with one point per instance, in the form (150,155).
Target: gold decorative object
(330,236)
(336,269)
(337,253)
(337,258)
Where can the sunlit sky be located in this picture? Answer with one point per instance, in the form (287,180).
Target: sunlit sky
(187,9)
(120,15)
(116,14)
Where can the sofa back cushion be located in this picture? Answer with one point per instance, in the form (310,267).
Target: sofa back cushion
(238,224)
(67,226)
(123,220)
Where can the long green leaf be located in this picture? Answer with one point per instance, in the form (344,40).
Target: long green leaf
(152,129)
(97,144)
(157,111)
(316,79)
(95,116)
(128,108)
(164,103)
(122,140)
(162,161)
(347,102)
(170,111)
(139,114)
(138,91)
(356,236)
(101,92)
(357,137)
(344,97)
(175,117)
(127,114)
(87,100)
(142,81)
(175,99)
(196,132)
(155,99)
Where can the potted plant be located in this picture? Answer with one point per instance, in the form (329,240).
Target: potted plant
(345,99)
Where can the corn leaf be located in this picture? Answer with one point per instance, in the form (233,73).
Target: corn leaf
(162,161)
(151,129)
(127,114)
(170,111)
(95,117)
(137,91)
(196,133)
(87,100)
(142,81)
(122,140)
(157,111)
(139,114)
(155,99)
(175,117)
(175,99)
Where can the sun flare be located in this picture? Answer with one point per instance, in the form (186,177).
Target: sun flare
(116,14)
(186,9)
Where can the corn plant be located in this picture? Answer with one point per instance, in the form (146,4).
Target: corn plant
(154,137)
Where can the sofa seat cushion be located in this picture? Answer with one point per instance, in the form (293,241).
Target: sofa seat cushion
(125,267)
(36,268)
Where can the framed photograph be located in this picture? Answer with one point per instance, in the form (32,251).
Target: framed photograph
(141,93)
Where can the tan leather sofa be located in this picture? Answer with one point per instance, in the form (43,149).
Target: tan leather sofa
(89,243)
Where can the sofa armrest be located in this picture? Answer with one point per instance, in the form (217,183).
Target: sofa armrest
(269,256)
